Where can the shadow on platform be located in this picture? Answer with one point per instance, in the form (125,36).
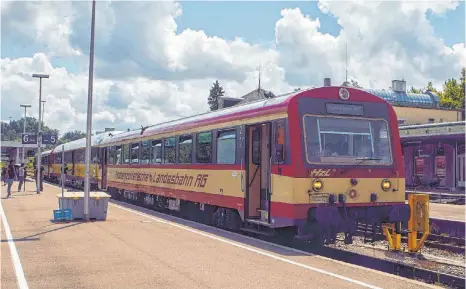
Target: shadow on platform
(35,237)
(241,240)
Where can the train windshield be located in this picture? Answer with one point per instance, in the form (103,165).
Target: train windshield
(347,141)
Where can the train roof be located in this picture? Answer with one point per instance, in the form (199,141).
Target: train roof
(249,108)
(279,101)
(81,143)
(46,152)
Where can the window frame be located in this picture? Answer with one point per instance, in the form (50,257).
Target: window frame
(153,144)
(116,155)
(164,150)
(188,137)
(198,145)
(304,139)
(141,152)
(275,140)
(125,149)
(131,149)
(219,132)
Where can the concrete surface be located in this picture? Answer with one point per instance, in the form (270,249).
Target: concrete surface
(143,249)
(449,212)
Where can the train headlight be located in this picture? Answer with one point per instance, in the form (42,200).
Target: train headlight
(317,185)
(386,185)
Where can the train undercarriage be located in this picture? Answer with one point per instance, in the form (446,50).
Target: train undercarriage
(322,225)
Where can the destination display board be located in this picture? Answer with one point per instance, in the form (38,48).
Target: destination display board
(344,109)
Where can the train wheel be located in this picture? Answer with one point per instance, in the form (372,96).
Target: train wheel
(348,238)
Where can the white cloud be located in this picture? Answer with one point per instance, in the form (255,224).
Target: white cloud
(147,72)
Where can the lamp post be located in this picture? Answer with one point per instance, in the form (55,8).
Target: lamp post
(43,110)
(87,180)
(24,123)
(39,127)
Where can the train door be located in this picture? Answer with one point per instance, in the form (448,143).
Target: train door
(258,173)
(73,160)
(460,171)
(103,165)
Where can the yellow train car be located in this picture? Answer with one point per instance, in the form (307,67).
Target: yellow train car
(313,163)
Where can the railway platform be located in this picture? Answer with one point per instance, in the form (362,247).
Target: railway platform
(448,212)
(138,248)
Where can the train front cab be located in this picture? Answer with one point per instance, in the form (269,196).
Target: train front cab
(349,164)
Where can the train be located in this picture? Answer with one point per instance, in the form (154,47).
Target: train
(309,164)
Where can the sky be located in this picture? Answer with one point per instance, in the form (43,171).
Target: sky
(156,61)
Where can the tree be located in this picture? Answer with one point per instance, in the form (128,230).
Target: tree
(354,83)
(452,94)
(13,131)
(71,136)
(215,92)
(415,90)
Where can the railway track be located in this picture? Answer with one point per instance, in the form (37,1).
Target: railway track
(446,243)
(388,266)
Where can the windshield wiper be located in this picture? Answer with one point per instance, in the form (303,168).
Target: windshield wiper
(361,161)
(366,159)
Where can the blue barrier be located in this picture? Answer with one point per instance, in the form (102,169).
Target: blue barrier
(62,215)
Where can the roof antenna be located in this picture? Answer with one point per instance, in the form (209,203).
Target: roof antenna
(346,60)
(143,128)
(259,87)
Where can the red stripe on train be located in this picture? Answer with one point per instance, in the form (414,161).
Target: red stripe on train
(283,170)
(277,209)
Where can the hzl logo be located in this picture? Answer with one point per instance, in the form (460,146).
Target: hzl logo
(320,173)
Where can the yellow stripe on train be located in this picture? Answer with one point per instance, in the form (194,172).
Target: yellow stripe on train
(79,170)
(284,189)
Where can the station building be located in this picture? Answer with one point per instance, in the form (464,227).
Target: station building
(432,137)
(12,150)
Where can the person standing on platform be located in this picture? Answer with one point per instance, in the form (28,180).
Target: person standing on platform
(42,169)
(21,176)
(4,175)
(10,177)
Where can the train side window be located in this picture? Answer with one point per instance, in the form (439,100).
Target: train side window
(78,157)
(113,156)
(169,152)
(204,147)
(118,156)
(145,152)
(279,141)
(226,147)
(95,156)
(135,153)
(68,157)
(125,154)
(186,149)
(156,148)
(256,146)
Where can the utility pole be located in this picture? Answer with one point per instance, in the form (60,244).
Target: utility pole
(24,124)
(87,180)
(39,127)
(43,109)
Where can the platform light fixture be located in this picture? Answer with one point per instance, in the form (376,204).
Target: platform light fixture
(39,127)
(24,123)
(89,118)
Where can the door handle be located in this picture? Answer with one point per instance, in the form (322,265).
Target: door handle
(241,178)
(270,177)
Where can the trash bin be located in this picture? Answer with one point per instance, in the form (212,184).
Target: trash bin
(98,204)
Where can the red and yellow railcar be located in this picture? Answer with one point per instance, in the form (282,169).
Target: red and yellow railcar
(314,162)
